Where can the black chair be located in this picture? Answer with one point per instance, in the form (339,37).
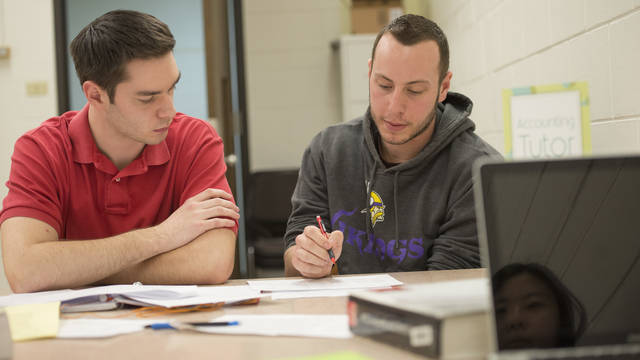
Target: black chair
(268,209)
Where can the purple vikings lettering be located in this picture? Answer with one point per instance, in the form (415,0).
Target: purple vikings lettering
(382,249)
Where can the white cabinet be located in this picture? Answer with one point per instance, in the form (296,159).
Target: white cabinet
(355,51)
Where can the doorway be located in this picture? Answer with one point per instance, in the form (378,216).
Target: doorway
(209,53)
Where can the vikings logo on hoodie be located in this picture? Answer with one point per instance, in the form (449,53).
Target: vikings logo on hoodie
(376,208)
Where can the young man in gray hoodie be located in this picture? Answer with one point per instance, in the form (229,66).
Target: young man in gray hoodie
(394,187)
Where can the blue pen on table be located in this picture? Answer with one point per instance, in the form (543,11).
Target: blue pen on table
(175,325)
(324,232)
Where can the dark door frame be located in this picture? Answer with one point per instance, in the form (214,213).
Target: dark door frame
(239,116)
(60,29)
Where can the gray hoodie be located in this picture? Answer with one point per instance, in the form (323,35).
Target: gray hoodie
(416,215)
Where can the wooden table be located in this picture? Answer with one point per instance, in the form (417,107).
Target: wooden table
(174,345)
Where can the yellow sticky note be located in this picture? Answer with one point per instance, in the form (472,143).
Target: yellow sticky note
(33,321)
(340,355)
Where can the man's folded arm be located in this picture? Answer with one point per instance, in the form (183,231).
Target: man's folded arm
(208,259)
(36,260)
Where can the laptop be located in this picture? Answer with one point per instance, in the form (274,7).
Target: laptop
(561,240)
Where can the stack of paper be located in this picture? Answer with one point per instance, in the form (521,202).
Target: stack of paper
(325,326)
(141,295)
(203,295)
(330,286)
(147,291)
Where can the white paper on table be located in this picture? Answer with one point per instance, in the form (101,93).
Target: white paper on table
(154,291)
(324,326)
(328,283)
(146,291)
(35,298)
(100,328)
(206,295)
(280,295)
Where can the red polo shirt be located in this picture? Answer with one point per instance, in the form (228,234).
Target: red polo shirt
(59,176)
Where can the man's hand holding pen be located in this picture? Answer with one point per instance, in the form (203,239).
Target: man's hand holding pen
(311,254)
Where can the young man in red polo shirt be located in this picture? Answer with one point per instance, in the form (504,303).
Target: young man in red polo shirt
(126,189)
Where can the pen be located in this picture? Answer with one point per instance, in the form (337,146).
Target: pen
(189,325)
(324,232)
(215,323)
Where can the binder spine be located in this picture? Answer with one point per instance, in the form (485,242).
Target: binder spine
(407,330)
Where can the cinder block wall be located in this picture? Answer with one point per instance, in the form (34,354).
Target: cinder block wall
(504,44)
(292,76)
(27,28)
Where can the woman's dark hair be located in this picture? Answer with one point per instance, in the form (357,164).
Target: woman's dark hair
(573,317)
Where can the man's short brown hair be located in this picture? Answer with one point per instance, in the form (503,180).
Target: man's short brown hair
(411,29)
(103,48)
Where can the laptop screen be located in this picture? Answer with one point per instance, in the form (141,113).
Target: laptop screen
(561,239)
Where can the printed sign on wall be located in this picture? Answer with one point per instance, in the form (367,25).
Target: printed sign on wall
(547,121)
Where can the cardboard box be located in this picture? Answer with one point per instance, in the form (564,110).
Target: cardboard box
(370,16)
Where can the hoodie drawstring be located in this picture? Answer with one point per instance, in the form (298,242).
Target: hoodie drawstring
(370,184)
(395,205)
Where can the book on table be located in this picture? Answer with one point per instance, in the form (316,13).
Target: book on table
(443,319)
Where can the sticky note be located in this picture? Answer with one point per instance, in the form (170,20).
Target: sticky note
(33,321)
(340,355)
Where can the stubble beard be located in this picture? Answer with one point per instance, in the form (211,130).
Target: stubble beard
(429,120)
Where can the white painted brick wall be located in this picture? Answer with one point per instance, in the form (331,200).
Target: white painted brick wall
(27,28)
(513,43)
(625,60)
(292,77)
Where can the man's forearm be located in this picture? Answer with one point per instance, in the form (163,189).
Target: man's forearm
(208,259)
(56,264)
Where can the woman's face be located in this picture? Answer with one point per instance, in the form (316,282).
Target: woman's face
(527,314)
